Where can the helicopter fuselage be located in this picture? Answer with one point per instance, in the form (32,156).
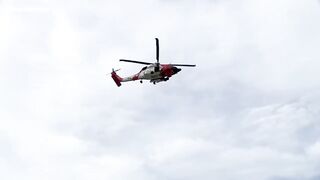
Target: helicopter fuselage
(150,73)
(155,72)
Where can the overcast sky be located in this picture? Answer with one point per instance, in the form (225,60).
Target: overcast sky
(249,110)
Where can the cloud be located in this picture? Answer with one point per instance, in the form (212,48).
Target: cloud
(249,110)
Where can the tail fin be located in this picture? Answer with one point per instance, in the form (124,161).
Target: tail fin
(117,79)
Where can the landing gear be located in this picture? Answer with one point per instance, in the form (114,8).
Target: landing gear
(154,82)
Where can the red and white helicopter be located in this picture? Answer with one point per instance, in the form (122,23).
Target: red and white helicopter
(155,72)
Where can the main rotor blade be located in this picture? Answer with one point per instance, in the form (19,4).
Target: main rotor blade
(186,65)
(138,62)
(157,44)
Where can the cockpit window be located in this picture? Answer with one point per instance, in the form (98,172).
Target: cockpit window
(144,68)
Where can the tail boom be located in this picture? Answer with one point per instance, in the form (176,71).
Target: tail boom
(117,79)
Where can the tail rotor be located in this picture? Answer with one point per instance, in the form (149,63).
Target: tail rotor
(115,70)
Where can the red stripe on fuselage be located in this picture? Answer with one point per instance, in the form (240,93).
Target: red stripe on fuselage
(135,77)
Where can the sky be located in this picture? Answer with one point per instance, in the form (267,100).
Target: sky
(249,110)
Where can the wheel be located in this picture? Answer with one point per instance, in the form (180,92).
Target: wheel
(141,81)
(154,83)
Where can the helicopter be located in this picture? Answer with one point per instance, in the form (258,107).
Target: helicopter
(155,72)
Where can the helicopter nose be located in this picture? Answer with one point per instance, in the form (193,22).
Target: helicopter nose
(176,70)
